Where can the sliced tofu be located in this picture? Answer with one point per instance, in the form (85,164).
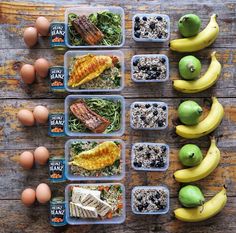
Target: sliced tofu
(101,206)
(79,193)
(80,211)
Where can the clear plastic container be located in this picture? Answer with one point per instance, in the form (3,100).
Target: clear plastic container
(149,102)
(83,10)
(72,177)
(152,56)
(78,221)
(163,211)
(166,17)
(150,169)
(71,54)
(71,98)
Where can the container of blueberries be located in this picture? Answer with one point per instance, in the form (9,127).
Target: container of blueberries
(150,200)
(151,27)
(147,68)
(148,156)
(148,115)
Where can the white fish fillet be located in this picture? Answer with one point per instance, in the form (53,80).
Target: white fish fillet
(78,210)
(79,193)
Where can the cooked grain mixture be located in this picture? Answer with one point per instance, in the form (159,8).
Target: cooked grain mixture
(150,156)
(149,115)
(149,200)
(150,27)
(149,68)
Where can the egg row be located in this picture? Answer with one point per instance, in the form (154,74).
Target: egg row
(42,194)
(41,27)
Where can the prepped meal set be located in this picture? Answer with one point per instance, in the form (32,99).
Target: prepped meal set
(91,115)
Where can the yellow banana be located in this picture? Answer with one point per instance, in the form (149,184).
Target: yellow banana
(208,164)
(202,40)
(200,213)
(206,126)
(204,82)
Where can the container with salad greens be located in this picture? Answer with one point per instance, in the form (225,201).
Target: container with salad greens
(93,27)
(94,159)
(94,115)
(89,71)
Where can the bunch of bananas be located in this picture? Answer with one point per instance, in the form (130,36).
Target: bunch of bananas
(204,127)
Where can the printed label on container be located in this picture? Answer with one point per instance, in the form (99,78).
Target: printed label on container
(56,76)
(57,35)
(57,212)
(56,125)
(57,169)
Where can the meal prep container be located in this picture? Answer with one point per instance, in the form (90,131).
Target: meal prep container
(152,56)
(159,212)
(114,220)
(89,10)
(166,17)
(70,176)
(148,102)
(69,55)
(150,169)
(71,98)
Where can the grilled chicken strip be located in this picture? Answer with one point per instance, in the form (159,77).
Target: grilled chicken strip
(89,118)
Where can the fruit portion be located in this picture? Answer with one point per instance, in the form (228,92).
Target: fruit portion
(207,166)
(191,196)
(204,82)
(207,210)
(189,112)
(189,67)
(189,25)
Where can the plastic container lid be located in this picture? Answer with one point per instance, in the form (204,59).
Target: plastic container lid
(71,54)
(164,211)
(89,10)
(166,17)
(152,56)
(78,221)
(148,102)
(72,98)
(71,177)
(150,169)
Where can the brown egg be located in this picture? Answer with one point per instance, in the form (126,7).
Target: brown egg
(27,159)
(28,196)
(27,73)
(43,193)
(42,67)
(42,24)
(41,114)
(41,155)
(26,117)
(30,36)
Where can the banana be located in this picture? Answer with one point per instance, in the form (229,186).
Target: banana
(208,164)
(206,126)
(202,40)
(204,82)
(207,210)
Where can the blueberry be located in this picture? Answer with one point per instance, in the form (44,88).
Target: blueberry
(137,164)
(159,18)
(157,195)
(158,73)
(159,35)
(137,19)
(163,60)
(152,26)
(163,107)
(140,148)
(147,105)
(136,27)
(136,105)
(135,63)
(163,149)
(155,113)
(152,164)
(143,118)
(148,155)
(153,76)
(146,33)
(160,123)
(140,208)
(144,18)
(155,105)
(137,34)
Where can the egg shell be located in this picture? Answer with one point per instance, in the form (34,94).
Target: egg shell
(41,66)
(26,117)
(28,196)
(42,24)
(41,114)
(41,155)
(43,193)
(27,73)
(27,160)
(30,36)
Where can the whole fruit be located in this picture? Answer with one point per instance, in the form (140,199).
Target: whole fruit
(189,112)
(190,67)
(190,155)
(191,196)
(189,25)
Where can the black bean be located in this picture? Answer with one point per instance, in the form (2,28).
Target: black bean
(136,106)
(136,27)
(152,164)
(158,73)
(153,76)
(137,19)
(155,105)
(155,113)
(152,25)
(148,154)
(140,208)
(135,63)
(137,34)
(143,67)
(140,148)
(137,164)
(143,118)
(160,123)
(159,35)
(145,205)
(154,68)
(147,105)
(159,18)
(144,18)
(149,72)
(158,195)
(146,33)
(139,198)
